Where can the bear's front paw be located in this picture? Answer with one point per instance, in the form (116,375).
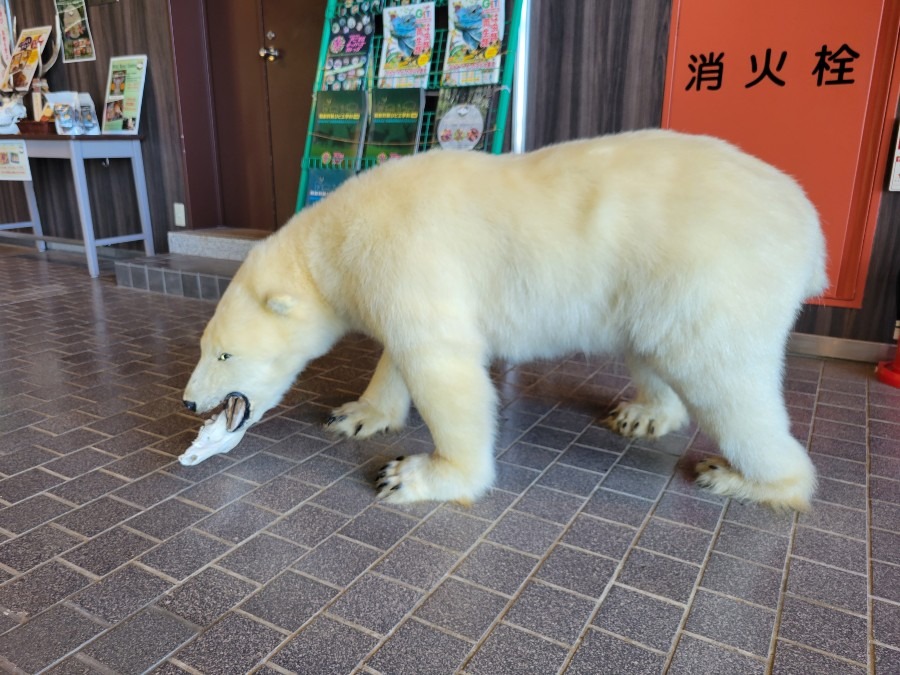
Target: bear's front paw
(360,419)
(425,477)
(636,420)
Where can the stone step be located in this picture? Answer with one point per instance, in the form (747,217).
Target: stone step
(223,243)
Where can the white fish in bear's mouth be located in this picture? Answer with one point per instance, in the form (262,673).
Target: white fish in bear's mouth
(220,433)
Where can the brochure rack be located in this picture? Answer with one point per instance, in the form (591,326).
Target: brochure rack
(495,131)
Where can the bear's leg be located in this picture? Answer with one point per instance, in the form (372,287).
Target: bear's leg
(655,411)
(741,406)
(453,393)
(383,406)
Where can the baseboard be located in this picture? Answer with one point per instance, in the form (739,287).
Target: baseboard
(840,348)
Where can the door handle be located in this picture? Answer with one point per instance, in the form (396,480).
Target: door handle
(269,53)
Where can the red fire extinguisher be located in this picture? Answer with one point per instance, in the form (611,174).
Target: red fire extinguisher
(889,371)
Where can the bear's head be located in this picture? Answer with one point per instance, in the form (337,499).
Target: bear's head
(270,322)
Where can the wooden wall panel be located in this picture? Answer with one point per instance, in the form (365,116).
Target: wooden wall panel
(125,27)
(597,67)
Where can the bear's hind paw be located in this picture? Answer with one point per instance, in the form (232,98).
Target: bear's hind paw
(637,420)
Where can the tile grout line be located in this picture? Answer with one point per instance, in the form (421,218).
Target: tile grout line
(680,630)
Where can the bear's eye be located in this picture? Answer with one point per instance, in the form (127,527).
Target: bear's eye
(224,356)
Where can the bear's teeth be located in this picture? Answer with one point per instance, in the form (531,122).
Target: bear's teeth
(237,409)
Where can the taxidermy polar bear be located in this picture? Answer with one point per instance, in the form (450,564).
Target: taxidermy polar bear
(682,252)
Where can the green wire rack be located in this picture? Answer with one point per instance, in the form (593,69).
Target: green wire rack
(494,136)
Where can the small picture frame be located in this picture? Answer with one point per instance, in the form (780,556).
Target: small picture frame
(121,112)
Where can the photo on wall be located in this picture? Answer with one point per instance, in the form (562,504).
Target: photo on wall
(77,42)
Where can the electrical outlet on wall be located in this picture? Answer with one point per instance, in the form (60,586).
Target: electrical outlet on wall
(180,220)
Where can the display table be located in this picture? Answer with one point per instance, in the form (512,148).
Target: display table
(77,149)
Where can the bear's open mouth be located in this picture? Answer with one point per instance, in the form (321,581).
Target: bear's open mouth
(237,410)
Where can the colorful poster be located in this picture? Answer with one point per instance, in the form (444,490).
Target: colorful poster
(124,94)
(14,161)
(77,45)
(474,39)
(407,46)
(25,59)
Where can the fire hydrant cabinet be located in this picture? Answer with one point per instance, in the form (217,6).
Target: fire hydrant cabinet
(807,86)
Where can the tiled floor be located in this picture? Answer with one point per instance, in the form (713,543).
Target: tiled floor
(592,555)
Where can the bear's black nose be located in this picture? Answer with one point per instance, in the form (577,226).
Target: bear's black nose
(190,405)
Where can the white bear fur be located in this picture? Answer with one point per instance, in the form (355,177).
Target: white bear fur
(685,254)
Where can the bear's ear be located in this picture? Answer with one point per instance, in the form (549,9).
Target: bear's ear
(281,304)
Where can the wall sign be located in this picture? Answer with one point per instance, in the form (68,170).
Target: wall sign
(802,88)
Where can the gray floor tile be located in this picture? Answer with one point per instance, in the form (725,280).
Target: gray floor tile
(234,645)
(308,525)
(40,588)
(325,646)
(140,642)
(417,563)
(184,554)
(639,617)
(577,570)
(416,648)
(462,608)
(262,557)
(91,519)
(35,547)
(121,593)
(375,603)
(602,653)
(289,601)
(742,579)
(28,483)
(751,544)
(338,560)
(508,649)
(549,504)
(829,586)
(30,513)
(102,554)
(524,533)
(206,596)
(167,518)
(675,540)
(848,554)
(281,494)
(47,638)
(378,527)
(236,522)
(662,576)
(452,529)
(731,622)
(694,656)
(551,612)
(886,660)
(886,622)
(828,630)
(791,659)
(497,568)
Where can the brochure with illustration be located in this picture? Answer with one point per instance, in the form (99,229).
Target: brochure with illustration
(339,124)
(474,41)
(407,46)
(395,124)
(124,94)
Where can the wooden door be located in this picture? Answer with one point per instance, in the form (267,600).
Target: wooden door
(262,106)
(295,30)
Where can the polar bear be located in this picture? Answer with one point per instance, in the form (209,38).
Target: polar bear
(683,253)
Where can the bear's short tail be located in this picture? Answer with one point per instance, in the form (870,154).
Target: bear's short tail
(818,279)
